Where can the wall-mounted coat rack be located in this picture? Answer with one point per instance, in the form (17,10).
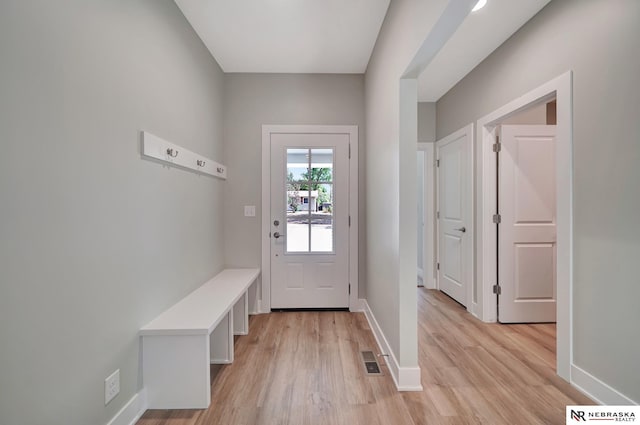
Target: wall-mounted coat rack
(157,148)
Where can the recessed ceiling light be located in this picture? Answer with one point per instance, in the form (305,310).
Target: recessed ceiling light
(479,5)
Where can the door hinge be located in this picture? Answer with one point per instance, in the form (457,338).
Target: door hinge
(349,289)
(497,218)
(497,146)
(438,214)
(497,289)
(437,266)
(437,163)
(349,150)
(349,221)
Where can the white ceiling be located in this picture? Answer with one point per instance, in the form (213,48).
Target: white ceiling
(479,35)
(288,36)
(338,36)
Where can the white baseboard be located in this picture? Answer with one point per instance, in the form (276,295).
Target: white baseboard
(132,411)
(409,379)
(597,390)
(405,378)
(420,273)
(220,361)
(361,305)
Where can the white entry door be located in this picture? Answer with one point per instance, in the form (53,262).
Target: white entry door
(527,231)
(454,215)
(309,220)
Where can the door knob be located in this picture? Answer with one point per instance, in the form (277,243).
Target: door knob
(462,229)
(277,235)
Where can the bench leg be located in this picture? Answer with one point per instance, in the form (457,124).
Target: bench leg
(241,316)
(222,341)
(176,371)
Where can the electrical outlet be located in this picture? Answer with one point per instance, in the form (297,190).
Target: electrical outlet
(111,386)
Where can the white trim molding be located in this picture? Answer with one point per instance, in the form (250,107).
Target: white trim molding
(561,89)
(267,131)
(597,390)
(132,411)
(405,378)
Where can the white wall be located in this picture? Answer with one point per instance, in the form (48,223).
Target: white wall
(599,40)
(256,99)
(94,240)
(391,296)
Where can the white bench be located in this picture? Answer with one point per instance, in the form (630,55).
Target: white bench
(179,345)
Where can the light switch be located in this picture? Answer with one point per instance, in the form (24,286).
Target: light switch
(249,210)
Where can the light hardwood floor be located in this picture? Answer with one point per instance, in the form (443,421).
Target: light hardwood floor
(305,368)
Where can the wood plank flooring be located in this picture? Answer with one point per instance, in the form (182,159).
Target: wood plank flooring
(304,368)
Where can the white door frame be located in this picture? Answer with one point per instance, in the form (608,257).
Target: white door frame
(467,130)
(267,131)
(428,241)
(561,89)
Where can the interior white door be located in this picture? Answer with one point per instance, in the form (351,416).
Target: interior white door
(454,215)
(309,221)
(527,231)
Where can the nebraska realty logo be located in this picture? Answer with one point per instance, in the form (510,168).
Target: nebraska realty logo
(580,414)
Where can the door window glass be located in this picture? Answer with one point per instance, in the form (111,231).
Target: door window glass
(309,200)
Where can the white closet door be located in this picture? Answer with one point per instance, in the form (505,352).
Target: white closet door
(527,232)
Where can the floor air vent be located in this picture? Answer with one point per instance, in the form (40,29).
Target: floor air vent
(371,365)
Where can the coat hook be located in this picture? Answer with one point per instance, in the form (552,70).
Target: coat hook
(220,169)
(172,152)
(200,163)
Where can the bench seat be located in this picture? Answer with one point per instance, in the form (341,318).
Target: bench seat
(179,345)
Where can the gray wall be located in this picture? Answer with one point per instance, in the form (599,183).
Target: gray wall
(256,99)
(426,122)
(94,240)
(535,115)
(599,40)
